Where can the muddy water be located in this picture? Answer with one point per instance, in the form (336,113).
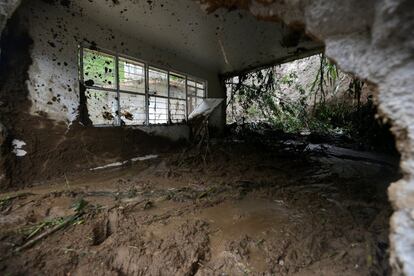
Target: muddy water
(258,218)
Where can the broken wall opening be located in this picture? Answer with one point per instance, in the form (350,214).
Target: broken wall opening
(360,41)
(327,112)
(309,96)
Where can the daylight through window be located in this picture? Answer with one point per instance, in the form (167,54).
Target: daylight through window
(124,91)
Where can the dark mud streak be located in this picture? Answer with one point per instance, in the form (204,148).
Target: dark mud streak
(15,61)
(64,3)
(83,116)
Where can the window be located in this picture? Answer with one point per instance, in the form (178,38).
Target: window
(158,82)
(178,108)
(132,109)
(195,94)
(99,69)
(131,76)
(102,106)
(124,91)
(158,96)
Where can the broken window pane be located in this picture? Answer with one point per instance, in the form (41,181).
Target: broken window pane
(158,110)
(193,102)
(132,109)
(177,86)
(158,82)
(99,69)
(131,76)
(102,107)
(177,111)
(195,95)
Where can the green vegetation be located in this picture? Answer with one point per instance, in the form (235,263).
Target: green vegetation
(48,223)
(6,202)
(99,69)
(329,101)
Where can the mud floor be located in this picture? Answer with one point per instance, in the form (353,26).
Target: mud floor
(239,208)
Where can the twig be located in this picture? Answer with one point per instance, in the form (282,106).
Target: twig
(49,232)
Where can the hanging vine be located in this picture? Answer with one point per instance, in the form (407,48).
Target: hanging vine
(261,93)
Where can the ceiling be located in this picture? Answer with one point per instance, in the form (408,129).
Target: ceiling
(224,41)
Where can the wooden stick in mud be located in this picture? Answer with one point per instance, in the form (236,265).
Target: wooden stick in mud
(48,232)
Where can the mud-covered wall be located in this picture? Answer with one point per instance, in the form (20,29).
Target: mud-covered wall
(41,137)
(57,29)
(41,134)
(375,41)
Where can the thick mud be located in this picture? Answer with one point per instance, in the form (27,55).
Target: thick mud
(238,209)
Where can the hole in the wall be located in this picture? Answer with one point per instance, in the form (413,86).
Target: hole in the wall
(298,89)
(310,108)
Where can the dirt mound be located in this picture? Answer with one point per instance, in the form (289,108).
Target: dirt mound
(56,151)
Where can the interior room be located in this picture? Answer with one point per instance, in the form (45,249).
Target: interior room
(206,137)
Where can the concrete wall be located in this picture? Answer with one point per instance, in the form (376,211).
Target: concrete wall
(53,76)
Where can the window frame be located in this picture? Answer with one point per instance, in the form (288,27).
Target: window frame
(147,66)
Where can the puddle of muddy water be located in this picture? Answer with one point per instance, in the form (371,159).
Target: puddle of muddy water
(252,218)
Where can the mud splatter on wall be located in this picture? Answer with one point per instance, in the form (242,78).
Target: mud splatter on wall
(57,30)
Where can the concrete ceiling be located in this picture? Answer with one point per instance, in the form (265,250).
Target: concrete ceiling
(225,41)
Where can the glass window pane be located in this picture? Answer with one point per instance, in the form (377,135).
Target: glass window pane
(193,102)
(200,85)
(131,76)
(177,111)
(191,91)
(191,83)
(158,82)
(102,107)
(132,109)
(200,93)
(158,110)
(195,94)
(177,86)
(99,69)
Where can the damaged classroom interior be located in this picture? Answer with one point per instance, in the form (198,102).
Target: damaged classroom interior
(206,137)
